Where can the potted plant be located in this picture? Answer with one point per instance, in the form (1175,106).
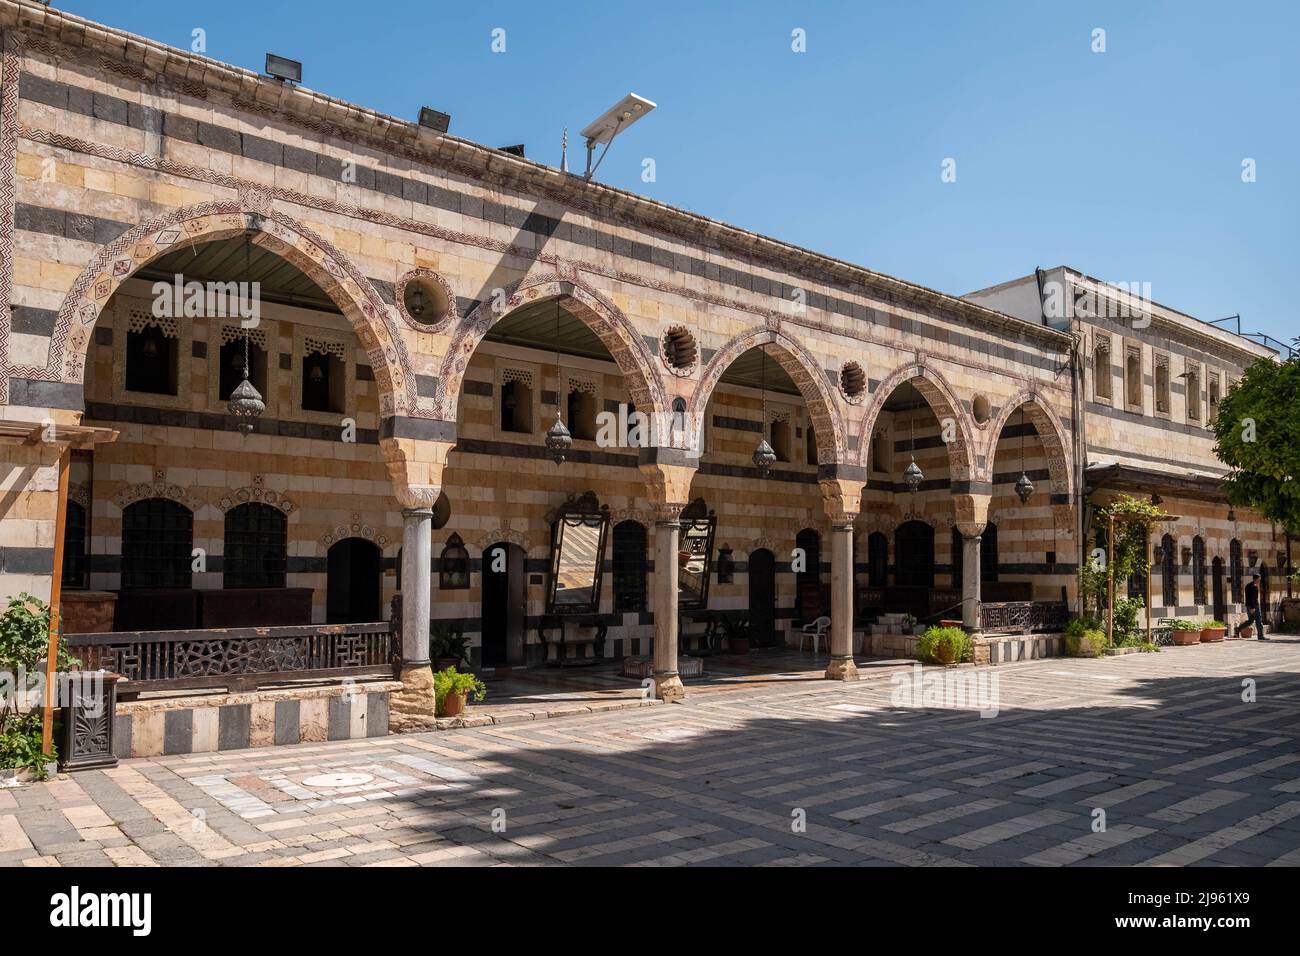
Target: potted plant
(736,631)
(1212,631)
(452,689)
(448,646)
(1184,632)
(943,645)
(1084,637)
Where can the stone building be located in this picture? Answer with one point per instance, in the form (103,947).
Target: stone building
(427,306)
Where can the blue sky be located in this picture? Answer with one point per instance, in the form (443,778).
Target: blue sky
(1125,164)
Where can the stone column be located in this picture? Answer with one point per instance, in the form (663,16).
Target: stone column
(971,512)
(668,474)
(842,498)
(417,562)
(416,467)
(668,684)
(970,580)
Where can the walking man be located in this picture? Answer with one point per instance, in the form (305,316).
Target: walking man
(1254,613)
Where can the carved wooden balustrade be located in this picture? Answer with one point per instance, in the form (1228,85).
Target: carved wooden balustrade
(238,659)
(1023,617)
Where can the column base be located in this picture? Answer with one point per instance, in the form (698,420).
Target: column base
(669,687)
(413,708)
(842,668)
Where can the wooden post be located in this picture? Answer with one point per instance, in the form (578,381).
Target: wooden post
(1110,581)
(56,597)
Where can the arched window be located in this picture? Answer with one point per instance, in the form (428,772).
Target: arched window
(257,546)
(914,554)
(453,565)
(1168,571)
(778,436)
(157,538)
(74,547)
(1101,370)
(989,553)
(808,598)
(629,566)
(1133,377)
(877,560)
(1235,570)
(1198,571)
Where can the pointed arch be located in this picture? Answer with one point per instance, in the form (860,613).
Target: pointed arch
(802,368)
(942,401)
(625,344)
(278,233)
(1051,433)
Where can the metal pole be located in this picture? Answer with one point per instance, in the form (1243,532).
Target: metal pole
(56,597)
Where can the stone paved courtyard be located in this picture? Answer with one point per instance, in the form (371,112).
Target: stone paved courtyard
(1185,771)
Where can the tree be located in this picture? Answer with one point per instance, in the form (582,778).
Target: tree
(1258,437)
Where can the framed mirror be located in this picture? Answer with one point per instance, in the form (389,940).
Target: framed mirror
(695,545)
(579,529)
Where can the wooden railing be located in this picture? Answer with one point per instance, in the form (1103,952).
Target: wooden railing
(1011,617)
(238,659)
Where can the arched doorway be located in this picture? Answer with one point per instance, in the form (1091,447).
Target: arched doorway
(877,560)
(914,555)
(762,598)
(809,600)
(354,582)
(503,605)
(1168,573)
(1220,599)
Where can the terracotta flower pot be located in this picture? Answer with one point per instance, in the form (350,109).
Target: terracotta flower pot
(739,645)
(453,705)
(1246,632)
(1185,637)
(945,653)
(1211,634)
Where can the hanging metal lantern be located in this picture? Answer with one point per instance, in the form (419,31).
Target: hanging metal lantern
(246,404)
(1024,488)
(246,401)
(763,457)
(912,476)
(558,440)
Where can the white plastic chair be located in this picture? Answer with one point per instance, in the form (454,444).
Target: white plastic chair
(817,631)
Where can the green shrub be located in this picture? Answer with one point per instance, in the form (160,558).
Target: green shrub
(1126,616)
(1182,624)
(20,744)
(944,645)
(24,645)
(451,682)
(1215,624)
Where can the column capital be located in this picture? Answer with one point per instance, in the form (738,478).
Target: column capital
(969,529)
(971,511)
(668,487)
(842,499)
(415,466)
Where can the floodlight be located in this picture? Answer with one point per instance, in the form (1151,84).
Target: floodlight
(283,68)
(434,120)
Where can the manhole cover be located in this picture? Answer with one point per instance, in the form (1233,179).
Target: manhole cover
(338,780)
